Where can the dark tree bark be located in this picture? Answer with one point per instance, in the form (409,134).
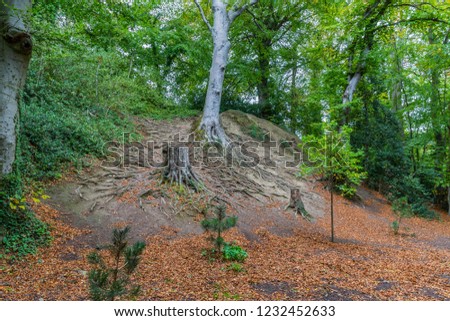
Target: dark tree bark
(296,203)
(179,169)
(263,86)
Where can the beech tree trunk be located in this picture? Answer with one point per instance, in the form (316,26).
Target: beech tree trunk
(223,19)
(373,14)
(351,87)
(15,53)
(211,120)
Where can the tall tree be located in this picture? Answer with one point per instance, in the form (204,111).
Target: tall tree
(222,21)
(361,46)
(15,52)
(271,24)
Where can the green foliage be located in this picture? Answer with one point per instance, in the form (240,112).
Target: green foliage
(110,279)
(233,252)
(379,133)
(256,132)
(236,267)
(402,209)
(331,155)
(21,232)
(386,160)
(218,225)
(60,123)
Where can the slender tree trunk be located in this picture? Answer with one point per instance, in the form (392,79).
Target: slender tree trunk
(331,186)
(263,86)
(448,157)
(15,53)
(448,199)
(351,87)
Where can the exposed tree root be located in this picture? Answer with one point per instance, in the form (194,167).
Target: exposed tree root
(214,132)
(179,169)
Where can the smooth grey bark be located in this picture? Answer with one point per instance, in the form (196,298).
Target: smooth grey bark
(347,98)
(351,87)
(15,53)
(372,15)
(223,19)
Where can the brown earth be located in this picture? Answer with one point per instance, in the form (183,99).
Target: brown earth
(289,257)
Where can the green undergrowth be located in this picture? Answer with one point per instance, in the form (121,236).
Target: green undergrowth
(21,232)
(71,107)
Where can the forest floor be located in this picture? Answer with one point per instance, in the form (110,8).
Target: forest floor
(289,258)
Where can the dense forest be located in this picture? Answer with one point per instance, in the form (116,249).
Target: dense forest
(76,75)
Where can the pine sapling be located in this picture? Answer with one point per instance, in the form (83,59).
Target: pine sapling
(218,225)
(111,276)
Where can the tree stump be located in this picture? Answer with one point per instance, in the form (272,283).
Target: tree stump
(297,204)
(179,169)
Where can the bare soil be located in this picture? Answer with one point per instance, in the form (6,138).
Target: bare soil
(289,258)
(102,198)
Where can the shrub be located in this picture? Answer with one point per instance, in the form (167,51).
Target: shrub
(21,232)
(233,252)
(218,225)
(402,209)
(106,283)
(387,160)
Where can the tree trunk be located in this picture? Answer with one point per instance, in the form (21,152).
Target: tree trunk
(210,123)
(448,200)
(351,87)
(436,108)
(223,19)
(348,95)
(372,15)
(15,53)
(263,86)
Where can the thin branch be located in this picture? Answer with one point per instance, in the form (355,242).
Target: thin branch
(255,20)
(233,14)
(446,39)
(203,16)
(410,21)
(417,6)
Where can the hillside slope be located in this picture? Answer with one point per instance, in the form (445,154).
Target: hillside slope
(103,197)
(289,257)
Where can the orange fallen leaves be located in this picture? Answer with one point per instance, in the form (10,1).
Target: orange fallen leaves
(367,263)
